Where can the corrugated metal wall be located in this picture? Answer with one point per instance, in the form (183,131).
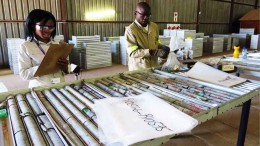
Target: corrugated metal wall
(111,26)
(240,10)
(162,10)
(250,2)
(214,12)
(102,29)
(214,16)
(76,9)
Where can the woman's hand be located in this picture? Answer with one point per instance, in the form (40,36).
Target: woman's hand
(63,64)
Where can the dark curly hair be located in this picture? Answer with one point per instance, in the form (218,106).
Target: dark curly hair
(35,16)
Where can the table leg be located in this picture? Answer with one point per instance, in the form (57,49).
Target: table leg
(238,73)
(243,123)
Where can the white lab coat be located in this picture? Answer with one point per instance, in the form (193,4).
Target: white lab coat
(29,58)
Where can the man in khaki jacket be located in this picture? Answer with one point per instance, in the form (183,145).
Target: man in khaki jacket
(142,37)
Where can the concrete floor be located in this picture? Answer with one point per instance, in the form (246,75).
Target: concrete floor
(6,75)
(220,131)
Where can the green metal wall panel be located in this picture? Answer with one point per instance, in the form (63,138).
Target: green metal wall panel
(102,29)
(214,28)
(214,11)
(77,9)
(163,10)
(240,10)
(124,9)
(3,52)
(250,2)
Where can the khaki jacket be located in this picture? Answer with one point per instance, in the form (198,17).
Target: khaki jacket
(139,41)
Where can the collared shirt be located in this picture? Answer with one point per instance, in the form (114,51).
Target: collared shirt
(146,27)
(30,57)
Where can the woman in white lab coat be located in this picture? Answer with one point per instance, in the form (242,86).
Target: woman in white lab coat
(40,29)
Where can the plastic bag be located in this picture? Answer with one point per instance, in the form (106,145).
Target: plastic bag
(179,55)
(176,44)
(172,63)
(184,54)
(190,54)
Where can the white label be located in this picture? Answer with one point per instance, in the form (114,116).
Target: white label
(175,16)
(227,67)
(55,80)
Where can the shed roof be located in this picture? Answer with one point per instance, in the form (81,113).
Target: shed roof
(251,15)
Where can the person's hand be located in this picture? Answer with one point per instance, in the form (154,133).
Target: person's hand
(166,51)
(162,52)
(63,64)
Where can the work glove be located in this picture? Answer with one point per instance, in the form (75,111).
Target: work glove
(161,52)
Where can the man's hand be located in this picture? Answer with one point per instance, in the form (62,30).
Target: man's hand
(162,52)
(166,51)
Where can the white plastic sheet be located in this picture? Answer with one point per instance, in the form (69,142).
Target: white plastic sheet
(254,55)
(172,63)
(207,73)
(176,43)
(125,121)
(3,87)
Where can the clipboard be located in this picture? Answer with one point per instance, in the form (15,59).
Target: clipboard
(49,63)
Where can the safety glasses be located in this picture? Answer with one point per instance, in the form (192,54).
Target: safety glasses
(44,27)
(147,15)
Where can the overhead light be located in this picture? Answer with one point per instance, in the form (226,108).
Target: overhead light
(100,14)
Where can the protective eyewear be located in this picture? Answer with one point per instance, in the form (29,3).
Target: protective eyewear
(45,27)
(147,15)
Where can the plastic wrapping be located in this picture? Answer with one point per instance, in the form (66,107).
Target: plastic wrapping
(172,63)
(176,44)
(146,121)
